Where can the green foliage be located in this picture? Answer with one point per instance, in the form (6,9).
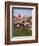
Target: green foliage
(22,32)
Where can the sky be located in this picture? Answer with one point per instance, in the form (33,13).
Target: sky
(23,12)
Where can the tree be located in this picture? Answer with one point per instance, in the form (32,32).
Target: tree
(19,15)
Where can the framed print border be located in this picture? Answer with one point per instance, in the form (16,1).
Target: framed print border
(7,22)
